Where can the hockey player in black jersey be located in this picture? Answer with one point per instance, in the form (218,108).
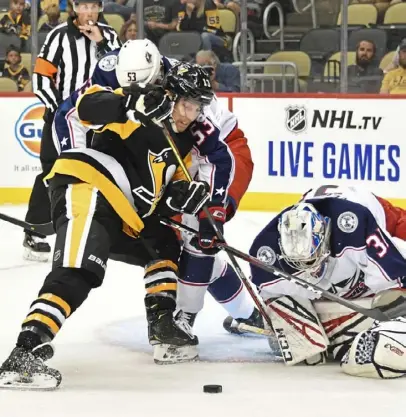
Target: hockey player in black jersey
(105,202)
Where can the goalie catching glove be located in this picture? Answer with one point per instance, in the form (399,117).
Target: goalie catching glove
(149,104)
(379,352)
(184,197)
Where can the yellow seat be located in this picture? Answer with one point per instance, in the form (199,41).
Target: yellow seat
(115,21)
(8,86)
(395,14)
(2,14)
(46,3)
(387,59)
(44,18)
(26,61)
(360,14)
(333,69)
(228,21)
(28,87)
(299,58)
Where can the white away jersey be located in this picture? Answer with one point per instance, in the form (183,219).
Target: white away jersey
(364,258)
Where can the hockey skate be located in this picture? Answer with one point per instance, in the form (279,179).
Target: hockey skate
(35,248)
(242,326)
(25,370)
(173,340)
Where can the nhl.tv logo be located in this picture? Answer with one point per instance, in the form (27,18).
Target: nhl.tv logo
(296,120)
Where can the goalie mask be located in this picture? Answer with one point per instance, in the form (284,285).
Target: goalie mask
(304,238)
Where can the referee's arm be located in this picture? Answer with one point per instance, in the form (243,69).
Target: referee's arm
(110,40)
(45,70)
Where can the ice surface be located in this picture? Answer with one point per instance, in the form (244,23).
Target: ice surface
(108,369)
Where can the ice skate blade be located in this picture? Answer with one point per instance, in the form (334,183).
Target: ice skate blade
(169,354)
(30,255)
(12,381)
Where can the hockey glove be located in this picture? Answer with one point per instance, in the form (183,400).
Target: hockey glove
(207,239)
(150,104)
(184,197)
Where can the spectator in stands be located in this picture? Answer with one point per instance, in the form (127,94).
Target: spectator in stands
(395,61)
(225,77)
(160,17)
(14,69)
(128,31)
(69,9)
(16,21)
(365,76)
(394,81)
(53,13)
(202,16)
(121,7)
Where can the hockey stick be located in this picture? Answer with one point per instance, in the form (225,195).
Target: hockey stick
(44,229)
(396,310)
(258,302)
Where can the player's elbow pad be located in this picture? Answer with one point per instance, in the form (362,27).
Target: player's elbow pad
(102,108)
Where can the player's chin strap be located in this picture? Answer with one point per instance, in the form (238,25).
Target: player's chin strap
(257,300)
(382,313)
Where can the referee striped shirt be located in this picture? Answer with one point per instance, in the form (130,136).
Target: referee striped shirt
(67,59)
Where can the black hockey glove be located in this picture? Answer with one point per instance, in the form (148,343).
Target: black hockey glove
(207,238)
(150,104)
(184,197)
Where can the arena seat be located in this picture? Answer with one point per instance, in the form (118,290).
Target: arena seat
(8,85)
(395,14)
(360,14)
(180,44)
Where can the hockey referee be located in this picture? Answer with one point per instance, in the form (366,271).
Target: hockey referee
(67,59)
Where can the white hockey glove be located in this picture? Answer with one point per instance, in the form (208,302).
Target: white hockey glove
(300,335)
(379,352)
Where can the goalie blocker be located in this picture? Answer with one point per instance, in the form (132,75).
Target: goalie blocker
(307,332)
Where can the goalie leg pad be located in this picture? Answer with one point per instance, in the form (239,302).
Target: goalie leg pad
(300,335)
(341,324)
(379,352)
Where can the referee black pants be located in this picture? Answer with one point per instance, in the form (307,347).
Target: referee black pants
(39,208)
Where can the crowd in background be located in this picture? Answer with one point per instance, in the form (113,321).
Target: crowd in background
(366,74)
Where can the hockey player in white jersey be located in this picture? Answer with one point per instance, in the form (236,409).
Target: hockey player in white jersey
(221,157)
(352,243)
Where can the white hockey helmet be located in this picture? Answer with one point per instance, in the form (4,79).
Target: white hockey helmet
(304,237)
(138,60)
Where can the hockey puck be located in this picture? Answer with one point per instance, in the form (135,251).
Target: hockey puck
(212,389)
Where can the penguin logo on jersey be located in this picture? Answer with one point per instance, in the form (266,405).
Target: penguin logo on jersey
(347,222)
(160,174)
(267,255)
(108,63)
(296,121)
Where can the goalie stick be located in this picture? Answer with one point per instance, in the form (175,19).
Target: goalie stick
(44,229)
(393,310)
(257,300)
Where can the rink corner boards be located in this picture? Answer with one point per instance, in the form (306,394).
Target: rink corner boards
(252,201)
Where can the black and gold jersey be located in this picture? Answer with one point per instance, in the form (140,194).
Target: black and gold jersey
(130,164)
(208,21)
